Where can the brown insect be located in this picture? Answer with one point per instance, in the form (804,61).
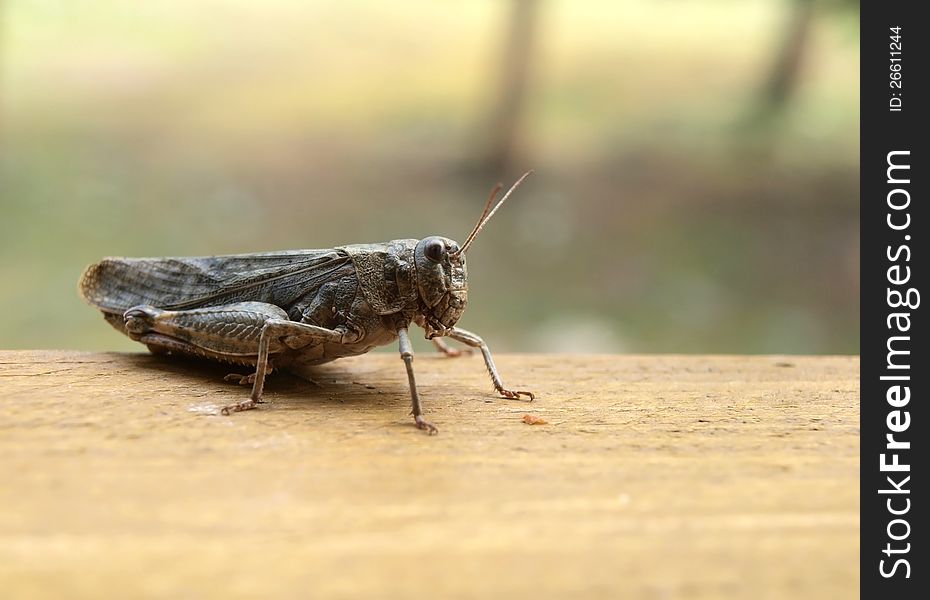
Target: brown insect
(297,307)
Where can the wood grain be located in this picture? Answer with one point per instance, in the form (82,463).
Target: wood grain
(654,477)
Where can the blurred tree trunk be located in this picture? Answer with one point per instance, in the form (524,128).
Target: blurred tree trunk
(504,121)
(782,80)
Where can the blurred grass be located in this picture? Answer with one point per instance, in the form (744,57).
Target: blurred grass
(657,221)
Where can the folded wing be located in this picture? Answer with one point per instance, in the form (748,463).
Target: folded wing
(116,284)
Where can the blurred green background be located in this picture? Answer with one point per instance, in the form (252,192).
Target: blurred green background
(696,185)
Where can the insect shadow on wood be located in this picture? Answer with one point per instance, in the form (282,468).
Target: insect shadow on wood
(283,310)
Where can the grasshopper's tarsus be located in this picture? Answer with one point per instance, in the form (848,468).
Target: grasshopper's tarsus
(240,379)
(425,425)
(515,394)
(241,406)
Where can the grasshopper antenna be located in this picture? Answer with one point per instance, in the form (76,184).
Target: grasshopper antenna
(486,215)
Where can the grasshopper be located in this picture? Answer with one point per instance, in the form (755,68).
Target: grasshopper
(295,308)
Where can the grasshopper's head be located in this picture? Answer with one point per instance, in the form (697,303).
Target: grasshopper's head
(442,279)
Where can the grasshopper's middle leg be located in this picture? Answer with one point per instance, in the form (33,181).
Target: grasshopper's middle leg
(246,332)
(406,353)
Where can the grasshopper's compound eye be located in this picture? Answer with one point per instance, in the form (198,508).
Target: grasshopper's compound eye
(434,249)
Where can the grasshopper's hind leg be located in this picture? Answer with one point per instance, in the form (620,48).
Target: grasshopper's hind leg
(244,333)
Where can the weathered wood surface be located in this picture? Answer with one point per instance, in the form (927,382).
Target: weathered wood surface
(656,477)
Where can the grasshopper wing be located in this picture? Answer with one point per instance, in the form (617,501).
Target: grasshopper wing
(116,284)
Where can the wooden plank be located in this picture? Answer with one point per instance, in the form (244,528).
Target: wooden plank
(655,477)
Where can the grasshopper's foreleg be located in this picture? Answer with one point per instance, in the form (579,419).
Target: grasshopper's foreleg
(448,350)
(406,353)
(246,332)
(473,340)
